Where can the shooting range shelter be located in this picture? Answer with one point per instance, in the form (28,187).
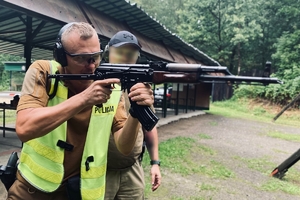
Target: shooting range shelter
(29,28)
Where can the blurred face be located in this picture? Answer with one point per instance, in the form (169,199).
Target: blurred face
(125,54)
(83,57)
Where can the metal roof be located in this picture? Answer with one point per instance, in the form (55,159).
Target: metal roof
(13,34)
(137,19)
(48,16)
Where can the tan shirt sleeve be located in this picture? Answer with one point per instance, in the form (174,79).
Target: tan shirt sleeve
(120,116)
(123,112)
(34,92)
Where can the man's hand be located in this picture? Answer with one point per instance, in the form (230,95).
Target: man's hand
(155,177)
(99,91)
(142,94)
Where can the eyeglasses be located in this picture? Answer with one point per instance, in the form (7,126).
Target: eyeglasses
(83,58)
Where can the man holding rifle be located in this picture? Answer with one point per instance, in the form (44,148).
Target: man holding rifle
(125,176)
(66,134)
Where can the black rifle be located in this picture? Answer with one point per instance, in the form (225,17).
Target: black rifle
(161,72)
(8,172)
(280,171)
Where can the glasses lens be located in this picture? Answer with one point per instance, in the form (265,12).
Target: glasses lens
(96,56)
(83,58)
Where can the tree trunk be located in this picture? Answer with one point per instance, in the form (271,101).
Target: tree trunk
(239,59)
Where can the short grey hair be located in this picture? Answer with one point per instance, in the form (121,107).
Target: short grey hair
(85,31)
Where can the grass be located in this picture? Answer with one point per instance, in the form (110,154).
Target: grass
(289,184)
(176,154)
(284,136)
(190,198)
(254,110)
(204,136)
(216,169)
(181,156)
(262,164)
(10,117)
(274,185)
(209,187)
(213,123)
(188,158)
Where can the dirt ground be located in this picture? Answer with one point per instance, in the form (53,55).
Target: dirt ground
(230,138)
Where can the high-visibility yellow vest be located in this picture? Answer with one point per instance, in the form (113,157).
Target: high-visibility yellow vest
(41,160)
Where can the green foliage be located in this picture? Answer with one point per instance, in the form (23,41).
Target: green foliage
(287,55)
(5,75)
(163,11)
(243,108)
(249,91)
(242,35)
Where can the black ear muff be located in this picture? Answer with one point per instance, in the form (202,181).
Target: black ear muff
(59,51)
(105,54)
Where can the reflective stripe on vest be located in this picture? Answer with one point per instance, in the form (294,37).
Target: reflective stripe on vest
(41,160)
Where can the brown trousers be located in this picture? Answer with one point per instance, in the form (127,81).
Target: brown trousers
(125,184)
(22,190)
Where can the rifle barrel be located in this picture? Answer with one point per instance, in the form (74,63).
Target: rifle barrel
(210,78)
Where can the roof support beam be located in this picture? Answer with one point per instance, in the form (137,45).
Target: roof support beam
(38,29)
(28,43)
(22,19)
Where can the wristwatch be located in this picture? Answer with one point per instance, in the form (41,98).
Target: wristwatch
(155,162)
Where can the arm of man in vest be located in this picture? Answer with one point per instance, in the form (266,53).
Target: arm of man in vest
(151,139)
(142,94)
(39,120)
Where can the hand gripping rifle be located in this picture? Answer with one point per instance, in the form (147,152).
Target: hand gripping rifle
(161,72)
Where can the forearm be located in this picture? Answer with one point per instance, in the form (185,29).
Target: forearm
(36,122)
(151,139)
(125,138)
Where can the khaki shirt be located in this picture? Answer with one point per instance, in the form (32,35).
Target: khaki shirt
(35,95)
(116,160)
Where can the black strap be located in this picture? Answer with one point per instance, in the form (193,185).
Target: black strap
(87,162)
(143,151)
(52,95)
(64,145)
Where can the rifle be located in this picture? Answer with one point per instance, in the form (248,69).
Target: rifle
(8,172)
(279,172)
(161,72)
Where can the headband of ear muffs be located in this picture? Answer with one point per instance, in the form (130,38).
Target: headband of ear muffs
(59,51)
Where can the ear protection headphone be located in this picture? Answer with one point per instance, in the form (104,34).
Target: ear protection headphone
(59,51)
(105,54)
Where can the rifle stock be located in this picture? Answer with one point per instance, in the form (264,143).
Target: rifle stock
(162,72)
